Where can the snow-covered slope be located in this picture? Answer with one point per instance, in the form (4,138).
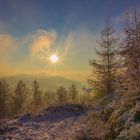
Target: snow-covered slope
(55,123)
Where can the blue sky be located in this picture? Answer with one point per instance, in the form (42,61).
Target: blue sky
(78,22)
(22,16)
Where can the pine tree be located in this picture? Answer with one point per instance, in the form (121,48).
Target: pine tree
(73,93)
(104,68)
(62,95)
(21,94)
(37,93)
(131,51)
(4,98)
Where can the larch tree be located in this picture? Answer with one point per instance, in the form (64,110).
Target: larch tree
(61,95)
(104,67)
(131,51)
(50,98)
(73,93)
(37,94)
(21,94)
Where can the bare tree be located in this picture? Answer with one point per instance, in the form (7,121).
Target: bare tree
(104,68)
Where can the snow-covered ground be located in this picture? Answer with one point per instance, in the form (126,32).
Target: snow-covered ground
(56,123)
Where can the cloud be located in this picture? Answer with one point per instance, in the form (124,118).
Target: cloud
(80,43)
(27,54)
(7,44)
(42,39)
(14,51)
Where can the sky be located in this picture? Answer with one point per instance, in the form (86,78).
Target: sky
(31,30)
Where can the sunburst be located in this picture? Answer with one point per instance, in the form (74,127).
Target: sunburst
(54,58)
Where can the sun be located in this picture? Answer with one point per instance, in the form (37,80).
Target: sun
(54,58)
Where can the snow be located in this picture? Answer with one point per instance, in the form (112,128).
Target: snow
(56,123)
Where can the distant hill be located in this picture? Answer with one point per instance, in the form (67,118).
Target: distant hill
(46,82)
